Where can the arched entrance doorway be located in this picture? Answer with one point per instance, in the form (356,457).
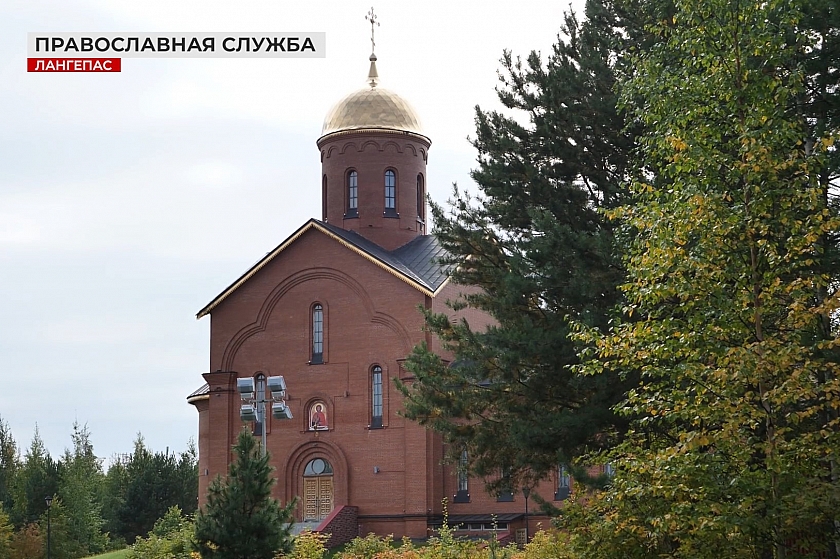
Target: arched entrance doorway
(317,489)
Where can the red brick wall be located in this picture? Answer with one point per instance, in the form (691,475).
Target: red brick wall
(203,408)
(370,155)
(393,475)
(216,439)
(371,318)
(342,525)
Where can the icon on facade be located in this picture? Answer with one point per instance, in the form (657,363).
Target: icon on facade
(318,417)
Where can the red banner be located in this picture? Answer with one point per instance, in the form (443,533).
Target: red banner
(73,64)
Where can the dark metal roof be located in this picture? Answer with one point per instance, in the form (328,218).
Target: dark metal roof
(455,519)
(422,254)
(417,259)
(416,262)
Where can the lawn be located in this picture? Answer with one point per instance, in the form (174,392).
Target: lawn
(119,554)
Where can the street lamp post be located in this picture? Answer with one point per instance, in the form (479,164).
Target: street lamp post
(526,492)
(48,499)
(254,406)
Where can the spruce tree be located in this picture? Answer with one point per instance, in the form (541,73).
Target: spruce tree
(148,484)
(241,520)
(9,464)
(543,257)
(34,479)
(80,489)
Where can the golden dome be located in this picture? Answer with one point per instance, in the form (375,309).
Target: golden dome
(372,108)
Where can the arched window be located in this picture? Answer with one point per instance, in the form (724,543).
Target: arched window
(352,194)
(505,494)
(317,334)
(324,199)
(259,424)
(564,483)
(317,467)
(421,200)
(376,397)
(463,493)
(390,192)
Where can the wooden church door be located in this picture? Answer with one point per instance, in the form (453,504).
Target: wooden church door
(317,490)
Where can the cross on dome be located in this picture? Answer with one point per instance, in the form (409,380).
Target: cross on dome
(373,75)
(371,17)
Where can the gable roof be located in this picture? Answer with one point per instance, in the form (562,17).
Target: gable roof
(416,262)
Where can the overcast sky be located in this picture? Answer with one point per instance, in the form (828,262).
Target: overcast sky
(129,200)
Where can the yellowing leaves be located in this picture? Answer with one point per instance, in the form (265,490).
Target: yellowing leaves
(677,143)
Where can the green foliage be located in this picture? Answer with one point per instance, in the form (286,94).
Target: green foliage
(113,499)
(366,547)
(142,489)
(80,488)
(730,297)
(6,534)
(90,503)
(538,255)
(169,523)
(171,538)
(241,520)
(442,546)
(547,545)
(445,546)
(309,545)
(118,554)
(9,464)
(62,533)
(36,478)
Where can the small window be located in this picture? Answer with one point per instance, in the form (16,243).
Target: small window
(317,334)
(505,494)
(421,200)
(390,193)
(352,194)
(324,199)
(376,397)
(463,494)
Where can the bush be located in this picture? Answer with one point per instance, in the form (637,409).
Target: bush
(171,538)
(308,545)
(546,545)
(367,547)
(27,543)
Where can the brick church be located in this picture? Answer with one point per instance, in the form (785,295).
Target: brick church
(334,310)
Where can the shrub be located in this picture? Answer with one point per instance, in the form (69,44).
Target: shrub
(171,538)
(308,545)
(27,543)
(367,547)
(546,545)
